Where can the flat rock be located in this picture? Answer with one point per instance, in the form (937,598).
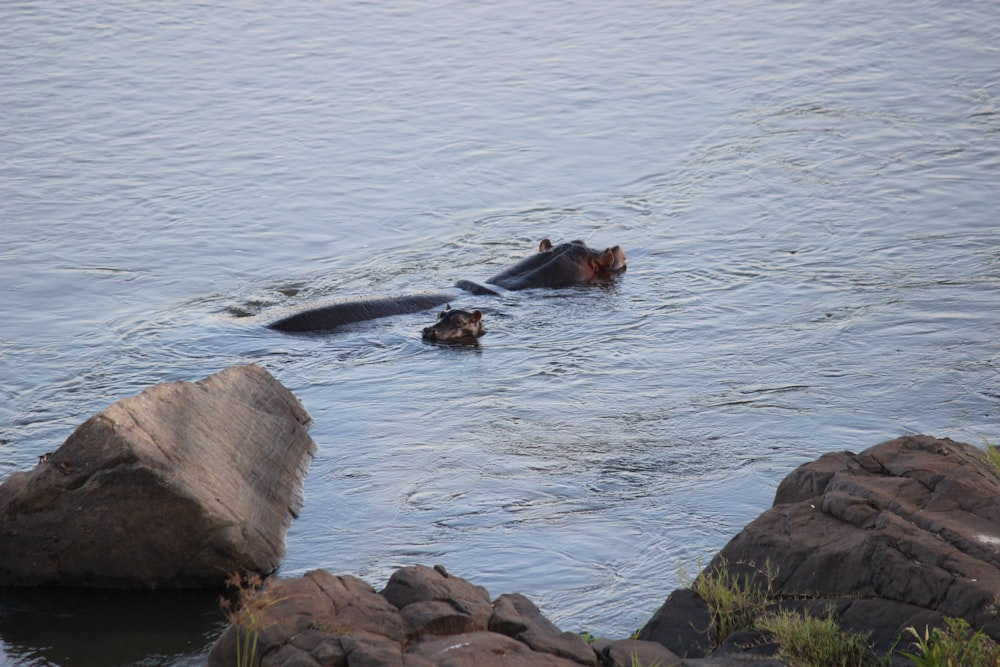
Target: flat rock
(175,487)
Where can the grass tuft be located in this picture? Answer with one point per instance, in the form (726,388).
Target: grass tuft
(954,645)
(247,612)
(991,455)
(807,641)
(734,601)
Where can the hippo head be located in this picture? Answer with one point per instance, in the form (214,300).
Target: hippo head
(455,325)
(599,262)
(562,265)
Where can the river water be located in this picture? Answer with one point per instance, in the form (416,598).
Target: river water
(807,193)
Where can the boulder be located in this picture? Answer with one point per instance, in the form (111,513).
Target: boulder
(516,616)
(899,535)
(433,602)
(632,652)
(424,617)
(176,487)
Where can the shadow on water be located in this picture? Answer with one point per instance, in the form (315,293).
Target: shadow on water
(96,628)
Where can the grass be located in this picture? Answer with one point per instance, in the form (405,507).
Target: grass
(807,641)
(247,612)
(954,645)
(991,455)
(330,627)
(635,661)
(734,601)
(738,602)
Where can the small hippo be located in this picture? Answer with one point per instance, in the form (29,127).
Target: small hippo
(455,325)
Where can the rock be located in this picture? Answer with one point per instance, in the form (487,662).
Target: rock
(434,603)
(682,624)
(900,535)
(175,487)
(517,617)
(631,652)
(318,617)
(424,618)
(484,649)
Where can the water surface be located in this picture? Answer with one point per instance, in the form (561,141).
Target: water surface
(807,194)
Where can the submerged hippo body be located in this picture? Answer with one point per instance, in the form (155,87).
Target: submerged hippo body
(562,265)
(455,325)
(339,313)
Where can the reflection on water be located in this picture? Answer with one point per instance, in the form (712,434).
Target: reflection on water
(85,628)
(806,194)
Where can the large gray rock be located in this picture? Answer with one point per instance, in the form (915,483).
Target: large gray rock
(175,487)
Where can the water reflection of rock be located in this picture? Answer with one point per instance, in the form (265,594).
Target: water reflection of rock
(101,628)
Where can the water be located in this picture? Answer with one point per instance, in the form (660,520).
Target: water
(807,194)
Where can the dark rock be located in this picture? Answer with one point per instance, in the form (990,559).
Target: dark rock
(898,536)
(735,660)
(747,643)
(484,649)
(435,603)
(437,617)
(516,616)
(682,624)
(175,487)
(629,652)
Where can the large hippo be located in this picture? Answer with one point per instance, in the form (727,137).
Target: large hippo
(552,266)
(563,265)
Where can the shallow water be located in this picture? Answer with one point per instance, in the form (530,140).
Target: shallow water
(807,194)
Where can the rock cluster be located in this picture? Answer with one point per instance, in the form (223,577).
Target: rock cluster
(175,487)
(424,618)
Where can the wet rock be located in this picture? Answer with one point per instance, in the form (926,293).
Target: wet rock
(175,487)
(900,535)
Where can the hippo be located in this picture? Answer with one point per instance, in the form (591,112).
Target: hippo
(553,266)
(563,265)
(455,325)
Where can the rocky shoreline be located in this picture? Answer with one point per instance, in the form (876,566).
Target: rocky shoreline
(188,482)
(904,534)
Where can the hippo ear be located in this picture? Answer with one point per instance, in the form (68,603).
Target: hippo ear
(545,245)
(606,261)
(476,316)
